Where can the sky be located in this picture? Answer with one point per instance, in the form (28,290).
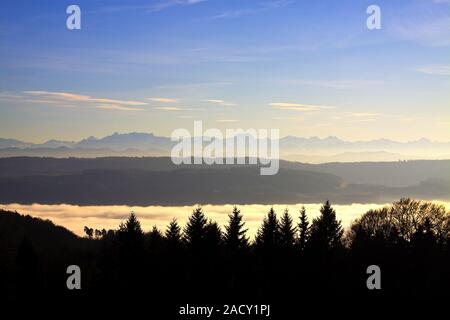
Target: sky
(308,68)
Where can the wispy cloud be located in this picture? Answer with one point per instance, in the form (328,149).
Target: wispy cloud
(336,84)
(38,100)
(351,116)
(66,96)
(164,100)
(9,96)
(156,6)
(298,106)
(169,108)
(360,114)
(117,107)
(159,6)
(174,108)
(435,70)
(221,102)
(260,7)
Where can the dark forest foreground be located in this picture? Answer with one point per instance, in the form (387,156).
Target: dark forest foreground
(291,263)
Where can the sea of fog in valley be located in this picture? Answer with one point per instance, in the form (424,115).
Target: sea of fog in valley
(75,217)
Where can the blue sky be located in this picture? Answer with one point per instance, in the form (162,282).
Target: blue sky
(309,68)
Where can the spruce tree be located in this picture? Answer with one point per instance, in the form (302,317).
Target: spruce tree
(130,233)
(131,252)
(173,234)
(287,231)
(213,236)
(132,226)
(235,238)
(303,228)
(155,236)
(326,230)
(268,236)
(195,229)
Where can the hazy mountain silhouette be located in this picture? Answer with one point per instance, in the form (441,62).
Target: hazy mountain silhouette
(316,150)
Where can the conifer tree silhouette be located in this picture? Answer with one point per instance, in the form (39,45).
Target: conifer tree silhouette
(173,234)
(213,236)
(326,230)
(131,228)
(131,252)
(155,239)
(303,228)
(195,230)
(172,258)
(268,236)
(287,231)
(130,234)
(155,234)
(235,238)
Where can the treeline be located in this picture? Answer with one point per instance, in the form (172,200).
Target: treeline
(291,257)
(408,240)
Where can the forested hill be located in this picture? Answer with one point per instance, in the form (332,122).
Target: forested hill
(396,173)
(147,181)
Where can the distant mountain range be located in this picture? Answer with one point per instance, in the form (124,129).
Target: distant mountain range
(312,149)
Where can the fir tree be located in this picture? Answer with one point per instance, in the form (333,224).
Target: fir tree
(303,228)
(213,236)
(131,227)
(195,229)
(235,238)
(155,236)
(173,233)
(287,231)
(131,236)
(326,230)
(268,236)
